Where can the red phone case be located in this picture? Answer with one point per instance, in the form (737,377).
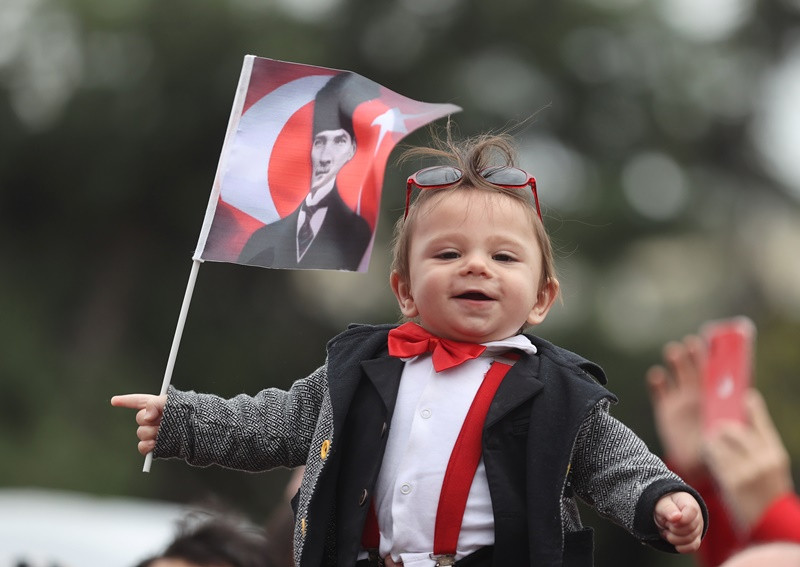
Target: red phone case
(728,369)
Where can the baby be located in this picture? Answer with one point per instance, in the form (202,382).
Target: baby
(453,438)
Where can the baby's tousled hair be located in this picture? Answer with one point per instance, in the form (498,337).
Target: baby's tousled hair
(471,156)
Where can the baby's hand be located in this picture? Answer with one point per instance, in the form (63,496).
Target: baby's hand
(680,521)
(151,410)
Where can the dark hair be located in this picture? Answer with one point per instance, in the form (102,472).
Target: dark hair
(216,540)
(471,156)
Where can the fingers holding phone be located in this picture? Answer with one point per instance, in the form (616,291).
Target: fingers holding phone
(749,462)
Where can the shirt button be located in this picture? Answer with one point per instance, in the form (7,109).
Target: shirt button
(405,488)
(363,498)
(426,413)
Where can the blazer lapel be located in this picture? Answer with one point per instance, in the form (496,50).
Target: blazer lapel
(519,385)
(384,373)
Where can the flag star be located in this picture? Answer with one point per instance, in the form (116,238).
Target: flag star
(393,120)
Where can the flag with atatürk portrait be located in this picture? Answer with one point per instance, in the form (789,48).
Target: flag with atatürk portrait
(299,179)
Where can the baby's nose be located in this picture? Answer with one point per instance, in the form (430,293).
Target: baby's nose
(476,264)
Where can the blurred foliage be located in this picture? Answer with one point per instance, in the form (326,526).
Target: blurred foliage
(112,116)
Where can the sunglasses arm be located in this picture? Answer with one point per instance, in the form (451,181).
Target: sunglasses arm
(409,187)
(536,197)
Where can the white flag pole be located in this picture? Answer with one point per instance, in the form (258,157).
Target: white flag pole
(176,341)
(236,111)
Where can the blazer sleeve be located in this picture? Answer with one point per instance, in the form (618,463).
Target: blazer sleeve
(615,472)
(249,433)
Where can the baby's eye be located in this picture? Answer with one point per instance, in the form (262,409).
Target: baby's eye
(448,255)
(503,257)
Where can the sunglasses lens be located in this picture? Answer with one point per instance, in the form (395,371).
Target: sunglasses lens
(503,175)
(437,176)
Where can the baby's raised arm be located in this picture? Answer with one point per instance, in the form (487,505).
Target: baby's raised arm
(151,410)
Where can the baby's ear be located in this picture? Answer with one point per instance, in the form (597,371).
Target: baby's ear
(402,291)
(544,301)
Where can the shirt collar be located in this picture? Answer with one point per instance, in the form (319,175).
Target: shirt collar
(518,342)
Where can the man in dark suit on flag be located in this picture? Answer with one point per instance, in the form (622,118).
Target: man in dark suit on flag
(323,232)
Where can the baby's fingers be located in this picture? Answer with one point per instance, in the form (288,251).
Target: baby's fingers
(686,544)
(684,537)
(131,401)
(151,410)
(685,532)
(147,432)
(150,407)
(666,513)
(146,447)
(147,438)
(151,415)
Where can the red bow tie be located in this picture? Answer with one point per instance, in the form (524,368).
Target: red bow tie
(409,340)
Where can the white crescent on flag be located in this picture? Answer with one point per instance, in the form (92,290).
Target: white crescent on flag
(245,184)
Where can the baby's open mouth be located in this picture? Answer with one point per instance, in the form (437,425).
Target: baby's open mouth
(475,296)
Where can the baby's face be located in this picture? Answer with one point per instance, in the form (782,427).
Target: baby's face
(474,268)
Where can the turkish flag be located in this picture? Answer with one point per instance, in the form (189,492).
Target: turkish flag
(281,114)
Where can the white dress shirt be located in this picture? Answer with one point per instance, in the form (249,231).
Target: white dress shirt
(428,416)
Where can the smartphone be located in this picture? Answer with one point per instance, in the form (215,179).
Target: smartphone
(728,369)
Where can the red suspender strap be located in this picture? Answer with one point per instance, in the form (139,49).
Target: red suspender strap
(371,536)
(460,470)
(463,463)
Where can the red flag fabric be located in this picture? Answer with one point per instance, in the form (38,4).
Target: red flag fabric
(299,179)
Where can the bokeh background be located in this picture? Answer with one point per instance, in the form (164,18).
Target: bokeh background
(666,143)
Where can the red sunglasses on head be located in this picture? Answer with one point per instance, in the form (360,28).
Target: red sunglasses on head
(440,176)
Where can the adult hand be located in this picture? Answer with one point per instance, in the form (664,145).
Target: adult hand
(151,410)
(749,462)
(675,393)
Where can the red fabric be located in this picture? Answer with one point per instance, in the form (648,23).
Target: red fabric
(780,522)
(371,536)
(410,340)
(463,463)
